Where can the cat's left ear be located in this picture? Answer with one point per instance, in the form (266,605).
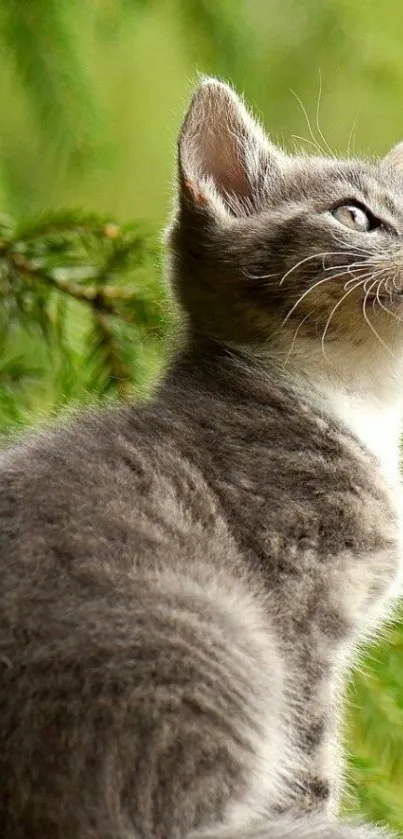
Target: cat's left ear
(394,159)
(226,162)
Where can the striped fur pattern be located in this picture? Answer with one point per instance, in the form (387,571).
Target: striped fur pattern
(184,583)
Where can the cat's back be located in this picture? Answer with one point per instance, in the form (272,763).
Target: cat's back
(122,590)
(110,482)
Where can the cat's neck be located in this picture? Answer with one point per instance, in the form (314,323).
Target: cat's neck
(378,426)
(369,403)
(371,407)
(362,387)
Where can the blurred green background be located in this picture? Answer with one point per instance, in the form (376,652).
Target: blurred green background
(91,97)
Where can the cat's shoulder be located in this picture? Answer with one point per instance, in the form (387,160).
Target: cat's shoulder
(79,456)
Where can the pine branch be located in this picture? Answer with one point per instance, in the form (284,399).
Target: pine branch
(77,256)
(108,358)
(106,270)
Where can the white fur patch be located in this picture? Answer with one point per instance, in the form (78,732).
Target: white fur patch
(377,426)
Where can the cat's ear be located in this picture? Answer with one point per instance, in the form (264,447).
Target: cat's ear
(225,159)
(394,159)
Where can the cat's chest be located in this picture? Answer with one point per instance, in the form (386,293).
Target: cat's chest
(377,426)
(327,539)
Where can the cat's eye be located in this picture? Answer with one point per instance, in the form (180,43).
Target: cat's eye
(351,215)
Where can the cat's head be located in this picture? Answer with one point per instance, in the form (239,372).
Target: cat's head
(300,257)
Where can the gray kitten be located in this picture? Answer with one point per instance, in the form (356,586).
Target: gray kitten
(184,583)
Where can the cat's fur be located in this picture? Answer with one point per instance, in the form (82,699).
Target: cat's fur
(183,584)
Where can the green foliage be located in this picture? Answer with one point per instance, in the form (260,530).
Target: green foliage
(374,733)
(39,51)
(40,43)
(74,287)
(91,97)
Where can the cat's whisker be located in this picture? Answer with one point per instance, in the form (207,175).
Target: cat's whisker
(344,270)
(380,257)
(295,338)
(301,262)
(346,245)
(332,313)
(346,266)
(371,326)
(305,294)
(316,285)
(320,132)
(382,306)
(396,287)
(322,254)
(354,279)
(305,140)
(377,259)
(349,266)
(319,148)
(351,138)
(343,274)
(250,276)
(373,273)
(359,253)
(377,276)
(371,276)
